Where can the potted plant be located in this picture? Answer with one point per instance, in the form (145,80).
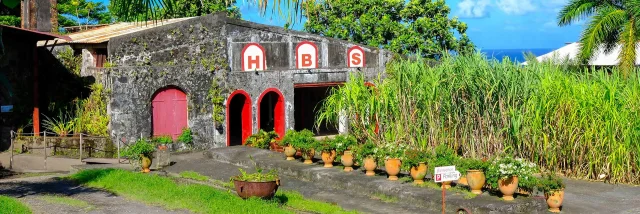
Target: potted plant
(415,161)
(344,143)
(289,151)
(444,156)
(162,141)
(553,188)
(327,148)
(260,184)
(303,142)
(262,139)
(473,170)
(140,152)
(186,138)
(504,173)
(366,155)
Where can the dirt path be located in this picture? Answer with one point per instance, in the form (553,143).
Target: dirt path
(49,194)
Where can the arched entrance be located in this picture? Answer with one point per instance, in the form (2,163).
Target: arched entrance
(271,111)
(239,121)
(169,106)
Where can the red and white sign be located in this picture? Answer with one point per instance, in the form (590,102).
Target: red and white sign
(445,173)
(253,58)
(306,55)
(355,57)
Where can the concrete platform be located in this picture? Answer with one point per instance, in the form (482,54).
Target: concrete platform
(357,182)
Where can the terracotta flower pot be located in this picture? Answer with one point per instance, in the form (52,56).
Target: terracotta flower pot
(392,165)
(264,190)
(347,161)
(328,158)
(419,172)
(463,181)
(370,165)
(476,180)
(508,187)
(308,156)
(145,163)
(554,200)
(289,151)
(333,154)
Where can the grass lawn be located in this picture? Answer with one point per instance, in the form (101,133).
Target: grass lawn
(72,202)
(163,191)
(13,206)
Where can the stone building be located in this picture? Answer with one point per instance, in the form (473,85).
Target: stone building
(224,78)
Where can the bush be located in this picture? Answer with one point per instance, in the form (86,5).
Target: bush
(412,157)
(344,142)
(365,150)
(464,164)
(507,166)
(325,145)
(185,136)
(550,182)
(302,141)
(261,139)
(140,147)
(163,139)
(259,176)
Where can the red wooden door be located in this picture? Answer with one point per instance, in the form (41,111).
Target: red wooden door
(169,112)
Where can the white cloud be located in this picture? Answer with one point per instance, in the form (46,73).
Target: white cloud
(517,7)
(473,8)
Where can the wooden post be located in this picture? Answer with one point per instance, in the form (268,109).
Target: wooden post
(12,148)
(45,149)
(80,147)
(443,198)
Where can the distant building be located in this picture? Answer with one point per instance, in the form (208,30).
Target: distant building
(569,52)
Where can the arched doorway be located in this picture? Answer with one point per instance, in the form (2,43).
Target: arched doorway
(271,115)
(239,121)
(169,106)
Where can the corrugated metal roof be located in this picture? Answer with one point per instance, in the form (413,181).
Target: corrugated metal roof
(103,34)
(36,34)
(600,57)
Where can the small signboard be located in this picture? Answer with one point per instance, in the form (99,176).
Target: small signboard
(8,108)
(446,173)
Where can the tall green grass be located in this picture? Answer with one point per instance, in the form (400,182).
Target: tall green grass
(12,206)
(582,122)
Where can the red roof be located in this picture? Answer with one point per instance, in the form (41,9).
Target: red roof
(32,34)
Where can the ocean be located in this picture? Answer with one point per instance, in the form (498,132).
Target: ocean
(514,54)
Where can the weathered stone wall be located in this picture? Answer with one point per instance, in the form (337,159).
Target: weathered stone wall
(195,53)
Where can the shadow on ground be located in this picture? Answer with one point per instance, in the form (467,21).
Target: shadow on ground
(55,186)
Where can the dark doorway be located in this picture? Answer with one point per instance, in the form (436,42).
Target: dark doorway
(238,118)
(308,100)
(271,111)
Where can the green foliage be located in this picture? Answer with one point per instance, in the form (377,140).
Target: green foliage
(581,122)
(142,147)
(302,141)
(70,12)
(10,205)
(217,101)
(325,145)
(344,142)
(185,136)
(70,61)
(193,175)
(507,166)
(550,182)
(10,20)
(391,150)
(91,115)
(296,201)
(404,27)
(261,139)
(259,176)
(464,164)
(412,157)
(62,125)
(365,150)
(444,156)
(162,139)
(139,10)
(68,201)
(612,23)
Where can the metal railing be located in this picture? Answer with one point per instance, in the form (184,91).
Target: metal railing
(46,145)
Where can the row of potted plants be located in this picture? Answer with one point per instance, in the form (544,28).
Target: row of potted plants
(505,174)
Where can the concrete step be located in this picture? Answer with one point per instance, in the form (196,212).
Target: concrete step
(356,181)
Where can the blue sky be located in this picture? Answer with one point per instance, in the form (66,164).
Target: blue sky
(493,24)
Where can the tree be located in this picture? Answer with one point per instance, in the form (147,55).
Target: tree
(413,27)
(173,9)
(82,12)
(613,23)
(10,13)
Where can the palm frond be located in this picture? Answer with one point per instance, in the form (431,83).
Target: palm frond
(597,33)
(576,10)
(629,40)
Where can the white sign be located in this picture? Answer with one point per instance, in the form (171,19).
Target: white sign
(306,55)
(445,173)
(355,57)
(253,58)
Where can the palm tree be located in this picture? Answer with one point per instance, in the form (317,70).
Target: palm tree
(613,23)
(130,9)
